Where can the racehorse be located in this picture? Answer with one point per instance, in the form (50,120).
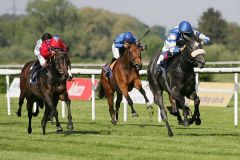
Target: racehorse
(178,81)
(124,76)
(50,87)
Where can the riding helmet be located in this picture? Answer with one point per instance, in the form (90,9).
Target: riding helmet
(128,37)
(46,36)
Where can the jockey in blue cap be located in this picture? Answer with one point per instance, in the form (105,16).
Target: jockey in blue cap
(120,43)
(177,38)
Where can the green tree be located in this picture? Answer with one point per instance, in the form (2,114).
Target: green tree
(212,24)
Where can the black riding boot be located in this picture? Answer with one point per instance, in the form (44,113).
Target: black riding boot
(161,68)
(107,70)
(34,72)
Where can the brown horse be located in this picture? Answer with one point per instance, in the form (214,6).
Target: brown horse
(50,87)
(124,76)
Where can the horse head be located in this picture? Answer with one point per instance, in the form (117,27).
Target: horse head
(133,54)
(195,53)
(62,62)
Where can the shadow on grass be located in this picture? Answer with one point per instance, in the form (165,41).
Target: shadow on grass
(141,125)
(11,123)
(209,134)
(74,132)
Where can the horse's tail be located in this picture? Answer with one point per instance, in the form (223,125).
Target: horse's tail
(100,89)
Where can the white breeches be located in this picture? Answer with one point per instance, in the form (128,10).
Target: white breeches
(41,60)
(115,52)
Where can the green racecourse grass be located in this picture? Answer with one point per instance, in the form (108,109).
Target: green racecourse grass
(138,138)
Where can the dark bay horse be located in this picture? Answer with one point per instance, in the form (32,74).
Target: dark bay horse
(125,76)
(50,87)
(180,78)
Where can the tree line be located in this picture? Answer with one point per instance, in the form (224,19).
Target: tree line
(90,32)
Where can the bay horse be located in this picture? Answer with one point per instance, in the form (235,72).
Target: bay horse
(178,81)
(124,76)
(50,87)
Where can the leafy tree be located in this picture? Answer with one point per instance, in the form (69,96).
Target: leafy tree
(212,24)
(233,37)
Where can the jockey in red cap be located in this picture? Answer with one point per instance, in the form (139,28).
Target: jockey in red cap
(56,42)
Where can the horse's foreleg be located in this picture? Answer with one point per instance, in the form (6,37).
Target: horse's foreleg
(118,102)
(129,100)
(49,101)
(196,114)
(64,97)
(44,119)
(58,125)
(173,110)
(29,108)
(138,86)
(176,95)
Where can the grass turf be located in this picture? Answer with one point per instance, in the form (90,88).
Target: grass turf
(138,138)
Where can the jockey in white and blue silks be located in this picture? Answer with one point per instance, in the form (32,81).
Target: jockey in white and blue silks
(177,38)
(119,44)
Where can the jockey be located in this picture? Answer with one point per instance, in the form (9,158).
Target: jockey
(120,43)
(46,37)
(175,41)
(56,42)
(43,51)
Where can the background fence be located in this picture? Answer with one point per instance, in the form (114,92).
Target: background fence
(93,72)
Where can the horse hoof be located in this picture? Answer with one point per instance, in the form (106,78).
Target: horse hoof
(198,121)
(59,129)
(29,131)
(35,114)
(114,122)
(180,122)
(18,114)
(185,123)
(171,111)
(70,127)
(190,121)
(135,115)
(170,134)
(150,110)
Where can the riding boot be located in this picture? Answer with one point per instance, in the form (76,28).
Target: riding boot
(107,70)
(161,68)
(34,72)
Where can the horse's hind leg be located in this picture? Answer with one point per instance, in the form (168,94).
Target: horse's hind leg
(111,108)
(118,102)
(110,95)
(20,103)
(64,97)
(158,98)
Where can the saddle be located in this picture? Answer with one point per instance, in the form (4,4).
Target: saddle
(108,67)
